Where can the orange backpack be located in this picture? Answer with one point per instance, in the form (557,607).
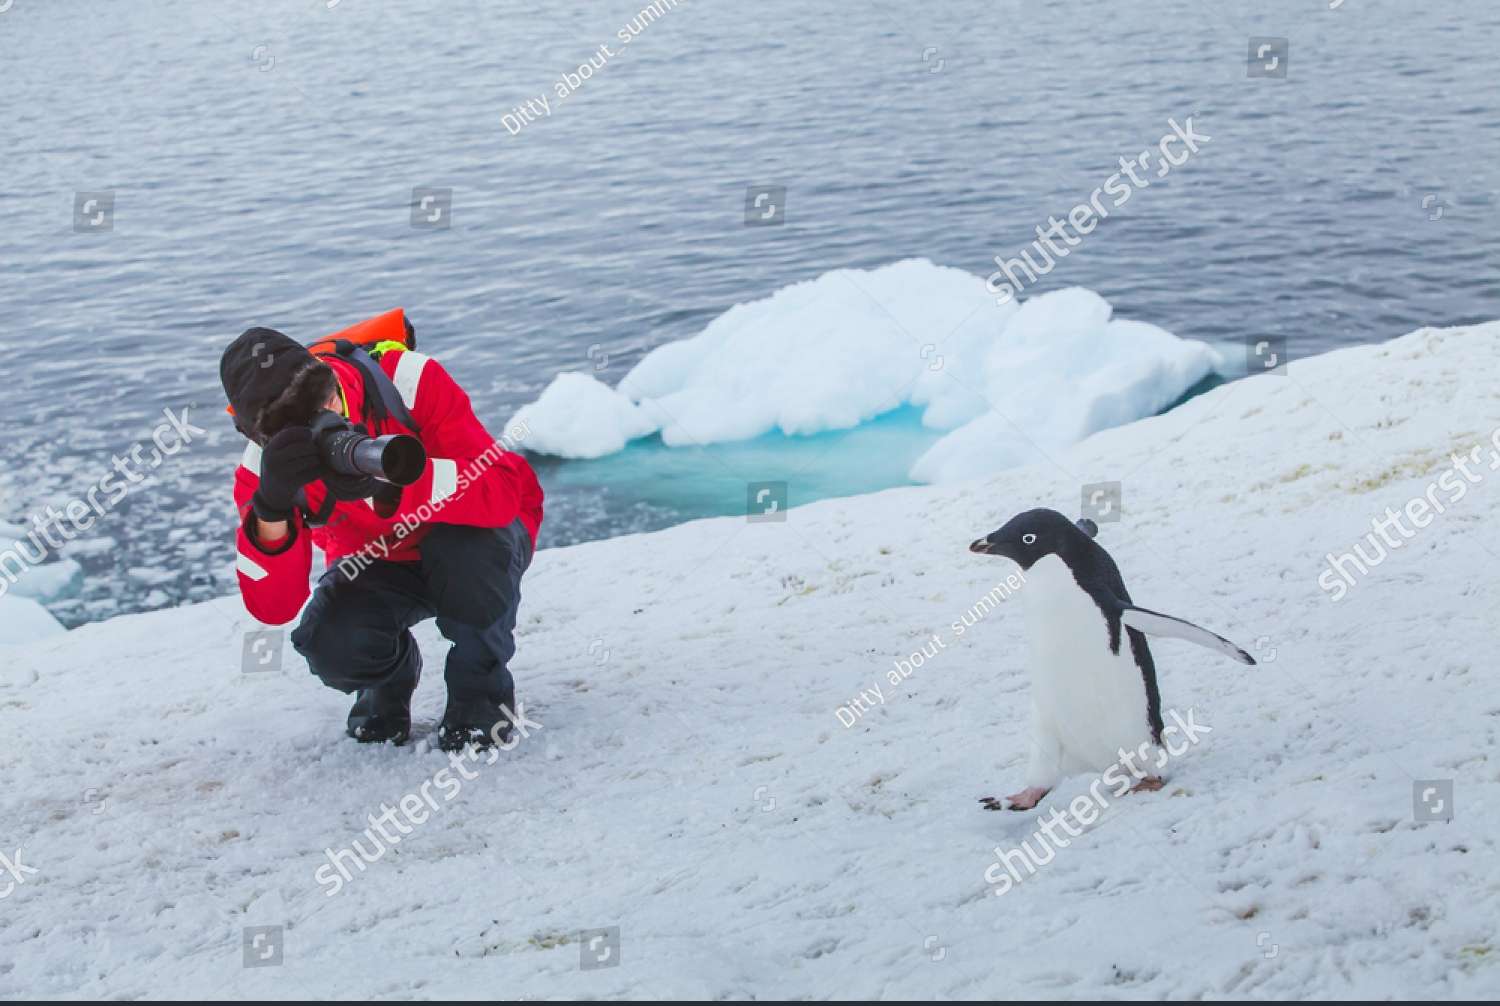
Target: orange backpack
(374,335)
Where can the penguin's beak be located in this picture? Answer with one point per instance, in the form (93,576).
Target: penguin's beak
(983,546)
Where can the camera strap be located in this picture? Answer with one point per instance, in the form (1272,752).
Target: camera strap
(382,397)
(382,400)
(320,516)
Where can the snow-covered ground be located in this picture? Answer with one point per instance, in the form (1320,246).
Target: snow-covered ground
(693,785)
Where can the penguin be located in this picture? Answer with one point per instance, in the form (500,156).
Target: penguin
(1093,682)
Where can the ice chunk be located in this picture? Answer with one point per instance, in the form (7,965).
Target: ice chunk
(827,354)
(1006,383)
(23,620)
(1063,371)
(578,416)
(48,582)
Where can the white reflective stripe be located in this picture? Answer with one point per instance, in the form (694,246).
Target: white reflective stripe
(444,479)
(249,566)
(251,458)
(408,375)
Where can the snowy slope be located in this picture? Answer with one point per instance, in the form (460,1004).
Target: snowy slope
(693,785)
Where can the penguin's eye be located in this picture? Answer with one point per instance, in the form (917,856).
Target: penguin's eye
(1028,539)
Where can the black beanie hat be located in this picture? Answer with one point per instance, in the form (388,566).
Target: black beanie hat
(256,368)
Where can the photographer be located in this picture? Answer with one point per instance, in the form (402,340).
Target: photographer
(452,544)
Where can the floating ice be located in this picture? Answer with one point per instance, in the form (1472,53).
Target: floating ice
(1005,383)
(51,581)
(578,416)
(23,620)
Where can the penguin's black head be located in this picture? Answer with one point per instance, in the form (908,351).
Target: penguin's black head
(1029,536)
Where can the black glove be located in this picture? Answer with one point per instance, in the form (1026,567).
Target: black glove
(288,462)
(349,487)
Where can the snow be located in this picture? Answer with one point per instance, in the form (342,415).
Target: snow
(24,620)
(693,784)
(578,416)
(836,351)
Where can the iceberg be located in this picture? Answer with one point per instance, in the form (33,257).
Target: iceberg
(998,384)
(578,416)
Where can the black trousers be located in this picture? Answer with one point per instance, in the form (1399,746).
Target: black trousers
(356,631)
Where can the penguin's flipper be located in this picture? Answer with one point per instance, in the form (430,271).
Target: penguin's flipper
(1156,624)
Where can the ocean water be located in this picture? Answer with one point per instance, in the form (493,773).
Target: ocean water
(176,172)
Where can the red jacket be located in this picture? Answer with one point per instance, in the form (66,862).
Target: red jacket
(470,479)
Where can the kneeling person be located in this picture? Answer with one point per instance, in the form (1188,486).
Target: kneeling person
(452,545)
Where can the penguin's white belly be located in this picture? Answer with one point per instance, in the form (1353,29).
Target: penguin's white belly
(1091,700)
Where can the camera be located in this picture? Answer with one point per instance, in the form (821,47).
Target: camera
(395,458)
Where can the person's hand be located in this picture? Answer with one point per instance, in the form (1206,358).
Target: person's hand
(288,462)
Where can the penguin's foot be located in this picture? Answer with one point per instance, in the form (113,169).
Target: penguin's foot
(1024,800)
(1150,784)
(1028,797)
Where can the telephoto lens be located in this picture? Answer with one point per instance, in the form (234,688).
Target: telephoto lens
(395,457)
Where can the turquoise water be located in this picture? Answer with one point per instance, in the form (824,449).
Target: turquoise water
(713,480)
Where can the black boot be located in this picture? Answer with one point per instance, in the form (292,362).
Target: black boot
(383,713)
(476,718)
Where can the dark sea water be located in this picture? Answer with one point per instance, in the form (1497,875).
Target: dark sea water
(261,160)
